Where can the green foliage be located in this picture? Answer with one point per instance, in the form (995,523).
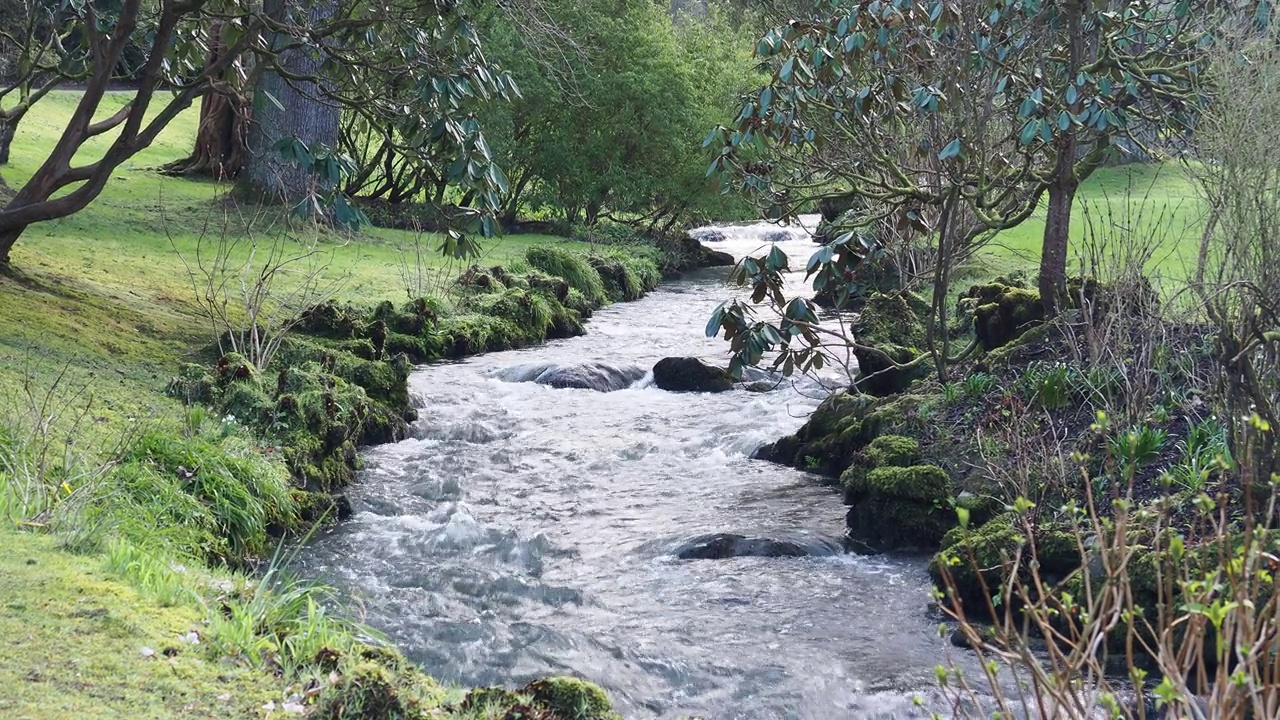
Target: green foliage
(977,385)
(574,269)
(613,107)
(1205,451)
(1052,386)
(1135,449)
(207,495)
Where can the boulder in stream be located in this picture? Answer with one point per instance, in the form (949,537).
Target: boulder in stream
(719,546)
(686,374)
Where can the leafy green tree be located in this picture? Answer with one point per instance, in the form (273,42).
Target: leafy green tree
(612,112)
(951,120)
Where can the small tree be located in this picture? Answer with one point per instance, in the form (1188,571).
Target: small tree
(902,103)
(1237,276)
(36,56)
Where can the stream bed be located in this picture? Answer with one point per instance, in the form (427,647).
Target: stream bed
(525,531)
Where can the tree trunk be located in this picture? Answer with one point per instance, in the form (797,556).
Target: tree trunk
(1062,188)
(8,238)
(8,127)
(289,109)
(222,135)
(1057,236)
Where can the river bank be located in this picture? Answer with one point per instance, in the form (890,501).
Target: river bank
(101,365)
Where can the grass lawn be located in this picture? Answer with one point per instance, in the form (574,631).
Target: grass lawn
(105,293)
(1144,202)
(77,643)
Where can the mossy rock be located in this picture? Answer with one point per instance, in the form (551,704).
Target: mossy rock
(372,691)
(573,268)
(879,375)
(619,285)
(332,320)
(1003,312)
(571,698)
(476,279)
(892,319)
(984,556)
(928,484)
(193,384)
(233,367)
(553,287)
(882,524)
(844,424)
(893,451)
(1020,350)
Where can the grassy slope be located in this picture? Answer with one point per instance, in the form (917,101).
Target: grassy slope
(72,639)
(105,292)
(103,301)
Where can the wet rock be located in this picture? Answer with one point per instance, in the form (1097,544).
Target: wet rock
(586,376)
(717,258)
(719,546)
(777,236)
(686,374)
(707,235)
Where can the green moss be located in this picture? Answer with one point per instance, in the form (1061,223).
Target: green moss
(879,372)
(925,483)
(892,319)
(884,524)
(571,698)
(892,450)
(373,691)
(1003,312)
(985,555)
(72,639)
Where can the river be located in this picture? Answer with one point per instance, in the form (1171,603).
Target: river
(525,531)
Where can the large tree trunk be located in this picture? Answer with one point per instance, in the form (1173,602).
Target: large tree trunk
(222,135)
(288,109)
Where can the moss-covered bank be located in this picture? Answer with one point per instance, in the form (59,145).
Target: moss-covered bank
(991,472)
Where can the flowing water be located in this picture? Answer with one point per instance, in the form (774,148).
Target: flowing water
(527,530)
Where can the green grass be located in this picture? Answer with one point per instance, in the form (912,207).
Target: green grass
(1155,201)
(105,294)
(97,320)
(72,637)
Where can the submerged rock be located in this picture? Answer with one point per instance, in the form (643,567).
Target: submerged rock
(585,376)
(719,546)
(708,235)
(686,374)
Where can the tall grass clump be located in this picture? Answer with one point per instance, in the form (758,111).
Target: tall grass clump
(210,495)
(575,270)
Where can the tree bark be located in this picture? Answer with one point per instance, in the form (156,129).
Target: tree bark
(222,135)
(1057,234)
(8,128)
(285,108)
(1062,186)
